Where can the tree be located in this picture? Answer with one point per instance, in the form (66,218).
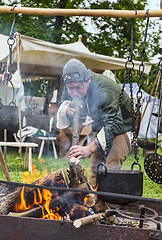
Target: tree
(103,35)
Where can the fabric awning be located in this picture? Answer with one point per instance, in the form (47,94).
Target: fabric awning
(40,58)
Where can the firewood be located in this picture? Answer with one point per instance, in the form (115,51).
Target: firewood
(34,212)
(8,202)
(77,173)
(77,211)
(89,199)
(88,220)
(79,179)
(62,201)
(76,102)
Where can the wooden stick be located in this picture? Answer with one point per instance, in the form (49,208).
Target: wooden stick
(20,149)
(33,212)
(82,12)
(4,167)
(18,67)
(88,220)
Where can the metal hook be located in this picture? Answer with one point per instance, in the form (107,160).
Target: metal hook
(147,11)
(13,8)
(12,28)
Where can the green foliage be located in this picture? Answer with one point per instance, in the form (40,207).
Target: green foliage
(103,35)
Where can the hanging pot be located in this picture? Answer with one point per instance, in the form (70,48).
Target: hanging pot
(128,182)
(146,144)
(9,117)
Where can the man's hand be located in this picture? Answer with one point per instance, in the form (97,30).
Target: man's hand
(79,152)
(70,111)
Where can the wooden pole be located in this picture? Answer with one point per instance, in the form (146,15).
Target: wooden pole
(18,67)
(82,12)
(4,167)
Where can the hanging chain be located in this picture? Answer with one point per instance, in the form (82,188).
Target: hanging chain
(134,126)
(8,75)
(141,70)
(127,77)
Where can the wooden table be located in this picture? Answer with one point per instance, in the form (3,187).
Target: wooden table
(27,145)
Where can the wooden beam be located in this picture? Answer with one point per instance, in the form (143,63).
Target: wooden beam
(82,12)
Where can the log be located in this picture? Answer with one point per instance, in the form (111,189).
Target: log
(82,12)
(77,173)
(88,220)
(4,167)
(79,179)
(77,211)
(76,102)
(89,199)
(8,202)
(62,202)
(34,212)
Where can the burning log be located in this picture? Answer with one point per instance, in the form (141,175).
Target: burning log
(8,202)
(62,204)
(77,211)
(79,179)
(76,173)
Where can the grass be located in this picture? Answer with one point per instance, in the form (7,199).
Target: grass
(47,164)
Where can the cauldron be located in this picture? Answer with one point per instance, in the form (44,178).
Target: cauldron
(129,182)
(9,117)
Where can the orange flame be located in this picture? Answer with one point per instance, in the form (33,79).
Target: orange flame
(39,198)
(85,201)
(96,188)
(51,214)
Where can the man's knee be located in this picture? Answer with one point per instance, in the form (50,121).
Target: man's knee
(119,152)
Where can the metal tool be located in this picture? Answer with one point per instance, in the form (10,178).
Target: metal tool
(153,162)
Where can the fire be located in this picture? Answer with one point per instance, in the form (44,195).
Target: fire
(86,199)
(51,214)
(41,199)
(96,187)
(34,175)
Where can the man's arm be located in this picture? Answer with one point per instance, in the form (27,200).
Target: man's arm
(83,151)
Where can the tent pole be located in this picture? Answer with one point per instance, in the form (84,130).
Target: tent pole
(18,66)
(82,12)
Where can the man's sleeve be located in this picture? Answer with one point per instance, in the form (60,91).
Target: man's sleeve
(62,119)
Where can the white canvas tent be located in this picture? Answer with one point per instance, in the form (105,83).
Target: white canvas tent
(144,123)
(40,58)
